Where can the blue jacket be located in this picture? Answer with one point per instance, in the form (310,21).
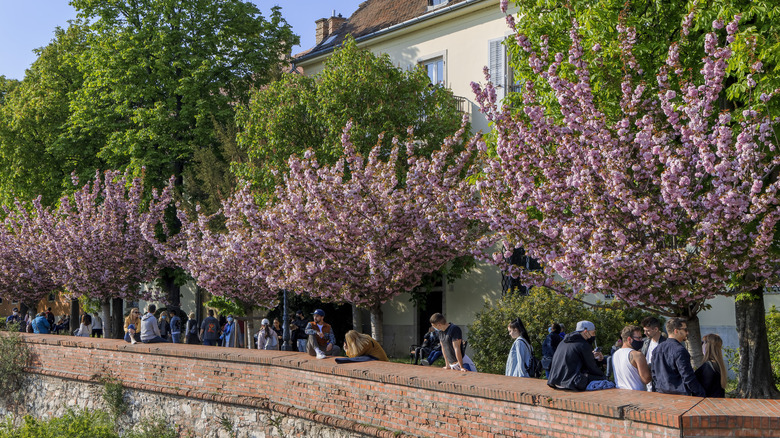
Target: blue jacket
(519,359)
(41,325)
(672,370)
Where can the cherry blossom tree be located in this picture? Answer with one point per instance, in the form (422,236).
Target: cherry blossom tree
(673,203)
(99,244)
(235,262)
(359,232)
(26,261)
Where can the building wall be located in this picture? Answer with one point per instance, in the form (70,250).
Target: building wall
(60,305)
(380,399)
(460,37)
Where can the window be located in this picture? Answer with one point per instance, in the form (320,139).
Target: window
(435,70)
(497,66)
(51,297)
(437,2)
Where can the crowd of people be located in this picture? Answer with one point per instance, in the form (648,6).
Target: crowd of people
(644,358)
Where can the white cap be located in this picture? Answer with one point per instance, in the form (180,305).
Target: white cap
(265,322)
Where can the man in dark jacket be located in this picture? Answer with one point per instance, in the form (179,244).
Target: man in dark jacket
(672,370)
(574,363)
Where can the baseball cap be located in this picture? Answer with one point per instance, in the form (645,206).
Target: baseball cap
(299,312)
(585,325)
(265,322)
(319,312)
(15,309)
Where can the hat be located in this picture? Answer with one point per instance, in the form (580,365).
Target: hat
(265,322)
(131,327)
(299,312)
(15,309)
(319,312)
(585,325)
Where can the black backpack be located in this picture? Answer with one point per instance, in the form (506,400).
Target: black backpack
(534,368)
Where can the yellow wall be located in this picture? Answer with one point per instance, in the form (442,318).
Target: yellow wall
(461,38)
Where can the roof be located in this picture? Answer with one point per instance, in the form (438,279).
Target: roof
(373,16)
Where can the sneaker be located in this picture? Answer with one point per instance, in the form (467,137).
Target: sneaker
(321,355)
(424,362)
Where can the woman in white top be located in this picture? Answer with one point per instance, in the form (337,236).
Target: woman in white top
(266,338)
(85,329)
(629,364)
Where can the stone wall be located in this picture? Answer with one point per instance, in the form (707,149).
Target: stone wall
(257,389)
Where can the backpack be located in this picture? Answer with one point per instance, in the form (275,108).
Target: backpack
(534,368)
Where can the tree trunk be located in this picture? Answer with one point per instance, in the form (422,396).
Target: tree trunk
(105,314)
(377,323)
(74,315)
(117,320)
(755,369)
(357,319)
(250,328)
(173,290)
(694,340)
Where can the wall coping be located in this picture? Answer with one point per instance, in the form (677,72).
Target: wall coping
(678,412)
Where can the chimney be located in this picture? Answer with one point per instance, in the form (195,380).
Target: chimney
(323,30)
(327,27)
(335,23)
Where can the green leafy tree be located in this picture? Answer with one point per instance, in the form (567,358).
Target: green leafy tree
(39,148)
(298,113)
(538,310)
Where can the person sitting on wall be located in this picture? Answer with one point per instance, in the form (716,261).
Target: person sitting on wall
(628,363)
(41,325)
(150,331)
(429,351)
(322,341)
(672,370)
(209,329)
(451,339)
(359,344)
(134,319)
(574,365)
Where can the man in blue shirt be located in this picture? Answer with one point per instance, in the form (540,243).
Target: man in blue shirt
(672,370)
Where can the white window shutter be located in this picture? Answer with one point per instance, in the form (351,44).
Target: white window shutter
(497,65)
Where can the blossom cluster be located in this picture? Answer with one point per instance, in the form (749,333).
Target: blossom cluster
(671,204)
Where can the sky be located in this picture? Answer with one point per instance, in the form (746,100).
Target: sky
(29,24)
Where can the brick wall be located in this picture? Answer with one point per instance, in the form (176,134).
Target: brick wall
(389,399)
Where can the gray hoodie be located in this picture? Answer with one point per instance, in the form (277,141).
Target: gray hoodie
(149,329)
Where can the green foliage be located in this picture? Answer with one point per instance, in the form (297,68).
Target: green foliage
(299,113)
(773,335)
(490,342)
(114,396)
(89,305)
(83,424)
(14,356)
(225,306)
(658,24)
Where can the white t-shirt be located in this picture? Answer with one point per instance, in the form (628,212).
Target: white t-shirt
(650,349)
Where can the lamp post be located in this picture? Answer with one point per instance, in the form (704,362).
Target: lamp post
(285,323)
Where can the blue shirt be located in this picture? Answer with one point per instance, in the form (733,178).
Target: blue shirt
(672,370)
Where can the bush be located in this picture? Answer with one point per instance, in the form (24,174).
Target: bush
(773,335)
(490,342)
(84,424)
(14,356)
(155,427)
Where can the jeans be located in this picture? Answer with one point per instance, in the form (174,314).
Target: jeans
(302,345)
(176,338)
(211,342)
(154,340)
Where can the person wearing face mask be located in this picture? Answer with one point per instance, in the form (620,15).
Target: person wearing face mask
(232,334)
(575,364)
(629,364)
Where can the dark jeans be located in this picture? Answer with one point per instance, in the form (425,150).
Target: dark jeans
(211,342)
(155,340)
(137,337)
(176,338)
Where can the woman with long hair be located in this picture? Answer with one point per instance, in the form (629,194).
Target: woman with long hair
(85,328)
(519,358)
(357,344)
(712,374)
(134,318)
